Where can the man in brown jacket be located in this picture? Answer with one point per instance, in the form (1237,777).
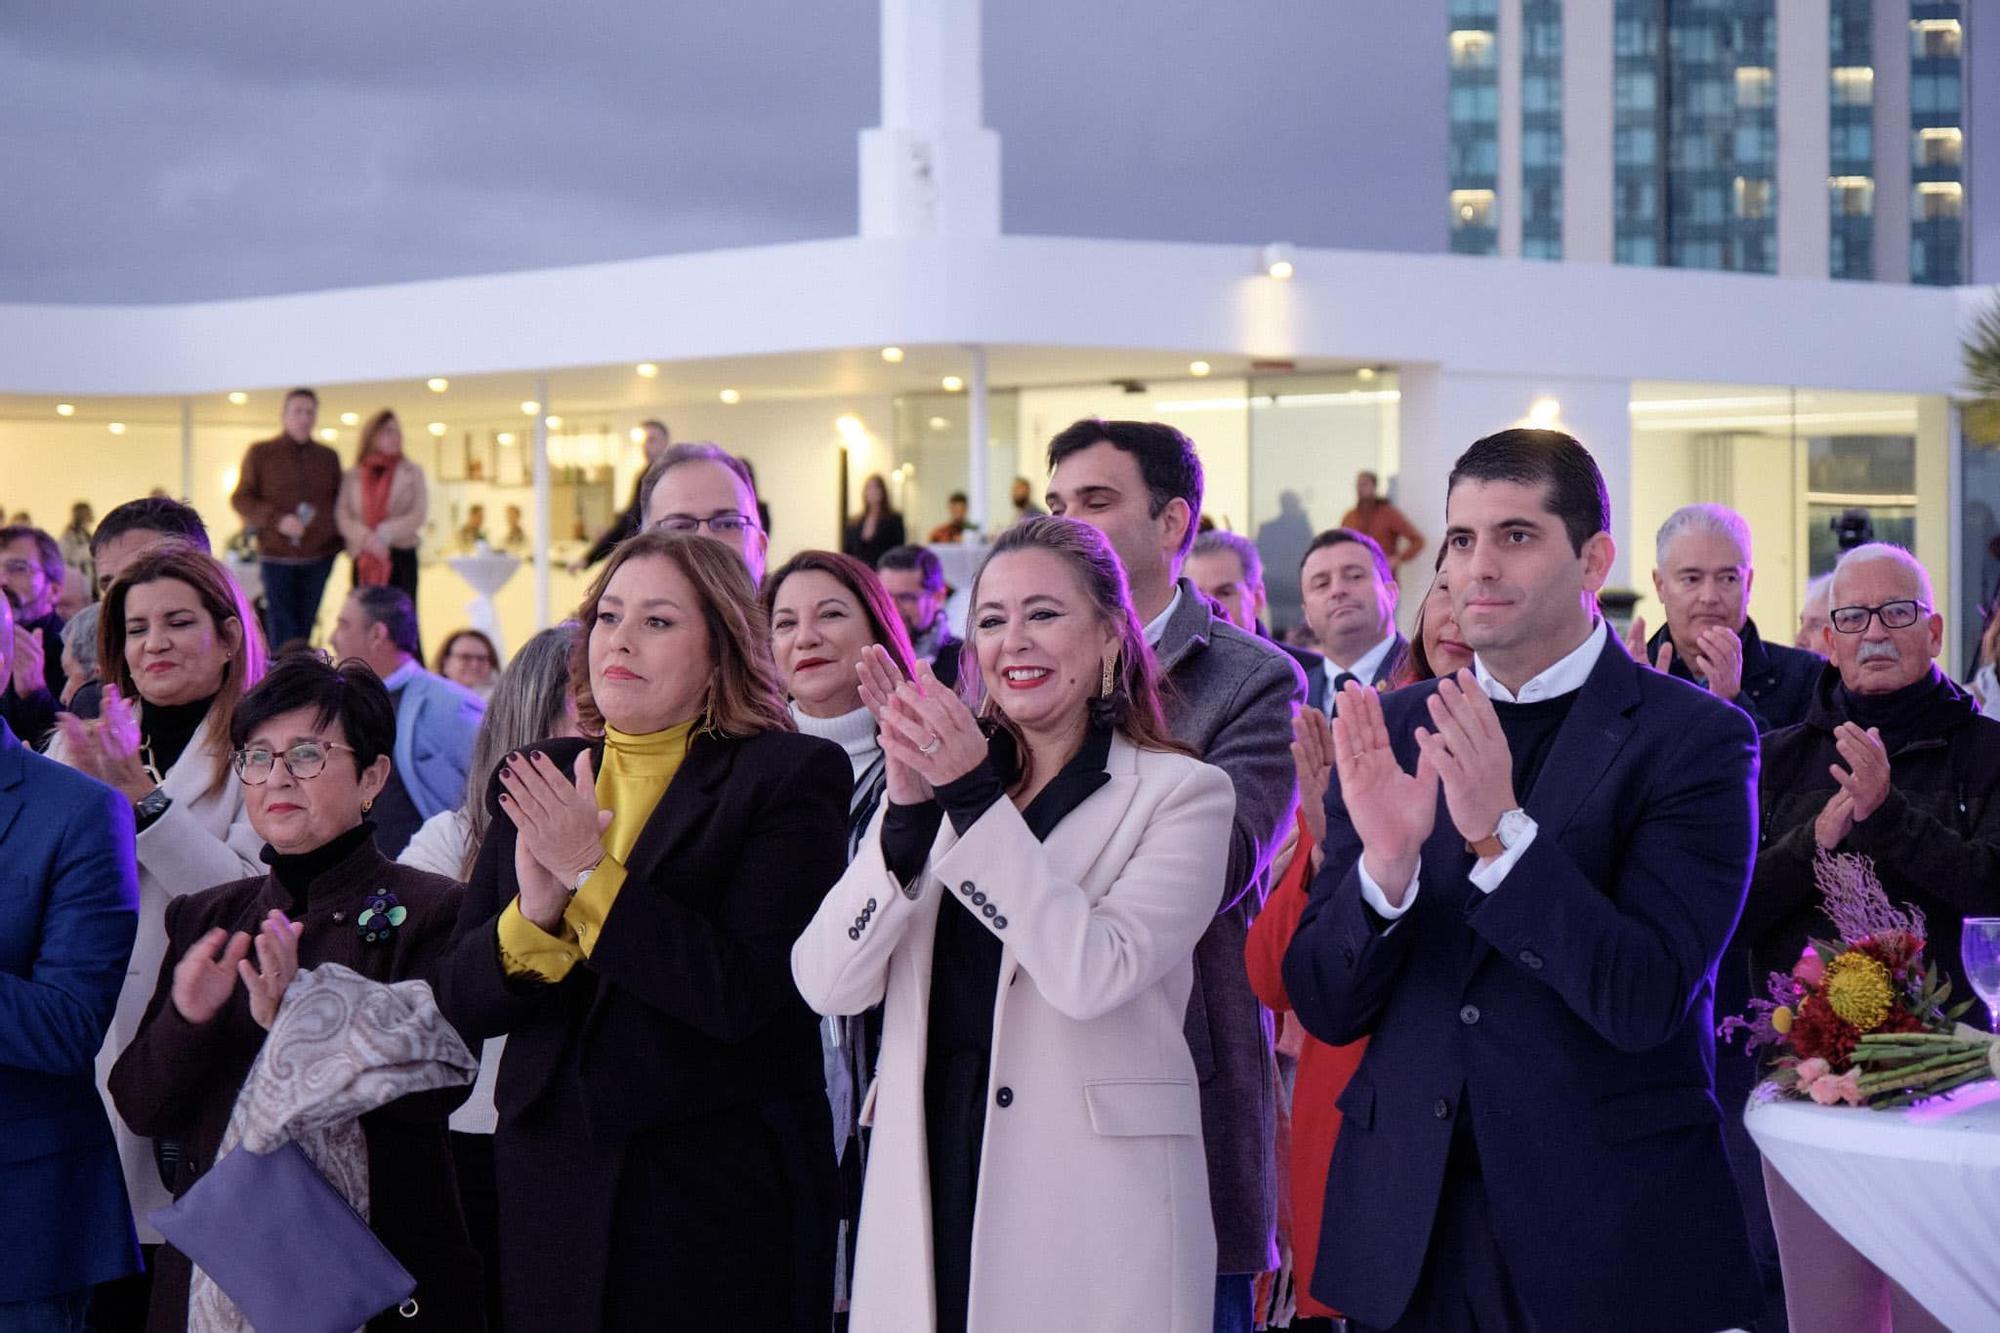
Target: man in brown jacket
(287,494)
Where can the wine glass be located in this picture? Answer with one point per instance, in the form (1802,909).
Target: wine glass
(1979,948)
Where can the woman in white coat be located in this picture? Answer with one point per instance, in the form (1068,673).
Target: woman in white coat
(1025,908)
(177,648)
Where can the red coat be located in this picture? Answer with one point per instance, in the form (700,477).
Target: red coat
(1323,1070)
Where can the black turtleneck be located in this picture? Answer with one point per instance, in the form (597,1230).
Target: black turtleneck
(296,871)
(1900,715)
(169,727)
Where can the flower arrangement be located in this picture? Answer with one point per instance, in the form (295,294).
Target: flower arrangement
(1864,1020)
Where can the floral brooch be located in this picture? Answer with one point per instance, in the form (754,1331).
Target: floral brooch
(380,915)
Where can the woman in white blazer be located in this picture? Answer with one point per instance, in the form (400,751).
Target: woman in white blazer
(178,646)
(1025,908)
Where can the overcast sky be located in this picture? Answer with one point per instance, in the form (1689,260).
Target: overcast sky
(175,149)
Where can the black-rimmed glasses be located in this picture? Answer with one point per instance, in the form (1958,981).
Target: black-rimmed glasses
(304,761)
(724,524)
(1899,614)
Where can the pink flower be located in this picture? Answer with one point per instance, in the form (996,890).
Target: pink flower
(1830,1089)
(1809,970)
(1810,1072)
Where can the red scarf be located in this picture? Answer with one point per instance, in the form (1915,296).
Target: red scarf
(378,478)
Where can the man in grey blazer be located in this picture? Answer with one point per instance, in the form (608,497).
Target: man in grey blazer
(1231,696)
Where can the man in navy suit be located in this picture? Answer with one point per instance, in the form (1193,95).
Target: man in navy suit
(1350,601)
(1531,869)
(69,907)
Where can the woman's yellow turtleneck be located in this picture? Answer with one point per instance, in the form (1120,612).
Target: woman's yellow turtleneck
(634,776)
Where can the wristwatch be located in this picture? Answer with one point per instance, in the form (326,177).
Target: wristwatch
(1505,834)
(582,878)
(150,807)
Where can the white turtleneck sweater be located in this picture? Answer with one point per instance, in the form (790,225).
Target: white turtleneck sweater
(853,732)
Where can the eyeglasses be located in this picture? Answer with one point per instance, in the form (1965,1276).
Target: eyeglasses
(724,524)
(1900,614)
(304,761)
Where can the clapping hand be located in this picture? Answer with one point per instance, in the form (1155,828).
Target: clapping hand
(277,963)
(929,729)
(1635,644)
(1719,661)
(880,677)
(559,829)
(207,973)
(1865,780)
(1471,756)
(1313,760)
(30,661)
(109,748)
(1835,821)
(1392,811)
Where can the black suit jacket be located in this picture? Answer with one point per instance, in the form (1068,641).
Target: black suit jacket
(1570,1009)
(1317,685)
(686,1006)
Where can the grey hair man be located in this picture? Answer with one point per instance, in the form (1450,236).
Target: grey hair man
(1702,573)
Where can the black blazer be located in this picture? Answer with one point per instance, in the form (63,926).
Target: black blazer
(1569,1010)
(1778,681)
(686,1006)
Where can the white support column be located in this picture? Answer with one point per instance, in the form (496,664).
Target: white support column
(1508,49)
(1588,222)
(930,168)
(187,450)
(542,490)
(1889,36)
(1939,469)
(1804,139)
(976,425)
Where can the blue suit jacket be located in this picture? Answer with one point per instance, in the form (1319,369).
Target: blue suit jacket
(1570,1009)
(69,907)
(436,723)
(1317,685)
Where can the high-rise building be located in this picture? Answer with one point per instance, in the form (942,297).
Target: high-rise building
(1823,139)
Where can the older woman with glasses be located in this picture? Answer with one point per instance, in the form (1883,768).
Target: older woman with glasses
(311,752)
(665,1150)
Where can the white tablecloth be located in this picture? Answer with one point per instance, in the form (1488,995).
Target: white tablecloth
(1916,1191)
(486,574)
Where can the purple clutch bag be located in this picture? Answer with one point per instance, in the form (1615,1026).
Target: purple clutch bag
(283,1245)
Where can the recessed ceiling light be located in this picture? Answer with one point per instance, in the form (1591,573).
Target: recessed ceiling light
(940,423)
(350,418)
(65,409)
(438,383)
(529,407)
(437,428)
(1199,368)
(952,383)
(116,428)
(893,355)
(1276,260)
(505,437)
(637,434)
(647,370)
(238,398)
(554,421)
(1365,373)
(731,397)
(328,434)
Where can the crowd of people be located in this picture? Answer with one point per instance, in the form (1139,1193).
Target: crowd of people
(1102,962)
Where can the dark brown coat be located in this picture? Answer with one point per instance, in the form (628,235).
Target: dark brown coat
(180,1081)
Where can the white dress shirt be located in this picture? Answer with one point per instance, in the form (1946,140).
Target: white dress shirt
(1565,677)
(1158,624)
(1363,670)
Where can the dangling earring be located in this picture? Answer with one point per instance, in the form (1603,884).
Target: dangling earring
(706,725)
(1104,690)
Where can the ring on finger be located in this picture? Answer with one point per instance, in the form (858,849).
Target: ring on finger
(931,748)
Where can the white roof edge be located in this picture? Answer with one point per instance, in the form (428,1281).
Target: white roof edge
(1476,315)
